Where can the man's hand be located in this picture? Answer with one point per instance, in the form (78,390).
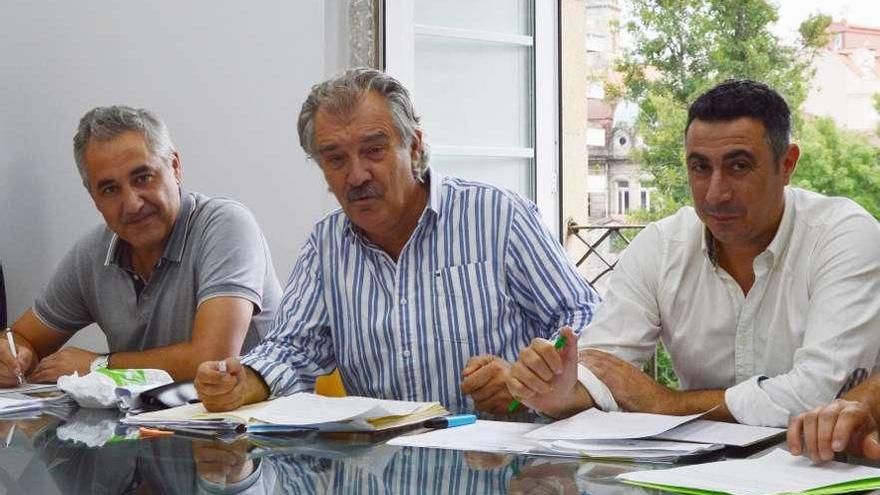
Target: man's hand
(225,391)
(221,463)
(10,367)
(545,378)
(838,426)
(633,390)
(484,378)
(62,362)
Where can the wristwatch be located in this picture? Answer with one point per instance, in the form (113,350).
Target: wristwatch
(99,362)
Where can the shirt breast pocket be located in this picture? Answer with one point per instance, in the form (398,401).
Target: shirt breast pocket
(468,301)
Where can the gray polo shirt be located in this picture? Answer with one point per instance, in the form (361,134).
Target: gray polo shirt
(215,249)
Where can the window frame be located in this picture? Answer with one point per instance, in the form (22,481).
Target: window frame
(397,57)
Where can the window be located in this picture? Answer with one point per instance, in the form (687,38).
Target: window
(622,196)
(477,71)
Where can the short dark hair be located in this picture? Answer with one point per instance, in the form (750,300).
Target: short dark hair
(737,98)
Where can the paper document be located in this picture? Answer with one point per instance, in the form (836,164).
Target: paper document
(635,450)
(310,411)
(776,472)
(27,388)
(513,438)
(594,424)
(734,434)
(482,436)
(18,404)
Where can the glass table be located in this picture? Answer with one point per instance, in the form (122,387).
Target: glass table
(88,453)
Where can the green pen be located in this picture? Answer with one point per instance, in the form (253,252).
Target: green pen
(559,344)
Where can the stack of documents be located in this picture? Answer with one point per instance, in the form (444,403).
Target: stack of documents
(516,438)
(29,388)
(776,472)
(598,435)
(298,411)
(16,405)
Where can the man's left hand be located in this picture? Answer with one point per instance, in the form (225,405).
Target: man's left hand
(62,362)
(633,390)
(485,379)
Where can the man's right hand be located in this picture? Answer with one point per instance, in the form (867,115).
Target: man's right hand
(835,427)
(11,368)
(225,391)
(545,378)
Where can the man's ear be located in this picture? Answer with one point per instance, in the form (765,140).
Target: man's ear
(176,167)
(789,162)
(415,146)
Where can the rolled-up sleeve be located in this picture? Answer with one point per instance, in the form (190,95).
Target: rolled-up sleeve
(299,348)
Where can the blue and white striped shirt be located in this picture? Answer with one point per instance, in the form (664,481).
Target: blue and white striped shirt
(481,274)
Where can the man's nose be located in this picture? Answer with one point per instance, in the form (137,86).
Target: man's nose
(359,172)
(131,201)
(719,190)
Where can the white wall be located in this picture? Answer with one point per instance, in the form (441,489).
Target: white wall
(228,77)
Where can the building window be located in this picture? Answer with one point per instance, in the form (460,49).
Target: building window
(623,193)
(476,71)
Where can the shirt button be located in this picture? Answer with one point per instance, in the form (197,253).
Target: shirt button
(136,277)
(406,354)
(402,301)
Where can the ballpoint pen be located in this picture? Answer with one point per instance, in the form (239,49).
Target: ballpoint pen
(558,345)
(12,349)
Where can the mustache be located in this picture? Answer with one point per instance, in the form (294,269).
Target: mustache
(145,211)
(724,210)
(370,190)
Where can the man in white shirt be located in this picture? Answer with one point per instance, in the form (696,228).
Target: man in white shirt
(764,295)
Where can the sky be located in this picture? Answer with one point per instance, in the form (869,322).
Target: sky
(793,12)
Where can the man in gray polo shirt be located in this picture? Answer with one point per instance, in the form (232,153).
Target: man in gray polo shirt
(174,278)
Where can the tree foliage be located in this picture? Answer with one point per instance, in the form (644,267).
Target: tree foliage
(684,47)
(837,162)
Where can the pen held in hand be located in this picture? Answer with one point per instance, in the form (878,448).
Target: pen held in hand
(558,345)
(11,340)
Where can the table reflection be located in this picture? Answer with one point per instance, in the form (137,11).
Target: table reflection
(88,452)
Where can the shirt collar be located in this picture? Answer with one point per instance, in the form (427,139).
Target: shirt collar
(176,241)
(434,181)
(776,246)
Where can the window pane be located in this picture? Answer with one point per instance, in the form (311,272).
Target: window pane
(500,16)
(475,93)
(510,173)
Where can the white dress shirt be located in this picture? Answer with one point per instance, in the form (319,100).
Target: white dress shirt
(807,330)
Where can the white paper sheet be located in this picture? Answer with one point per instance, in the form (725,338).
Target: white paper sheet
(776,472)
(482,436)
(594,424)
(635,450)
(27,388)
(706,431)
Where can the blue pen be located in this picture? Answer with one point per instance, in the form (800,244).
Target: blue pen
(451,421)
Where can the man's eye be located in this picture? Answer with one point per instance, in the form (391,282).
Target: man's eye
(108,190)
(698,168)
(740,166)
(143,179)
(375,150)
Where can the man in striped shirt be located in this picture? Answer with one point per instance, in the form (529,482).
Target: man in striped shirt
(422,287)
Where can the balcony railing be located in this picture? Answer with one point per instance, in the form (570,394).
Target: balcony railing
(599,239)
(604,244)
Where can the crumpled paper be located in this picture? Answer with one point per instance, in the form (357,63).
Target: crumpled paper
(98,389)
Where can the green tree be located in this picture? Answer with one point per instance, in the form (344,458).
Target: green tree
(684,47)
(837,162)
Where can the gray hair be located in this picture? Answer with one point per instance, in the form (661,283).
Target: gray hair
(108,123)
(341,94)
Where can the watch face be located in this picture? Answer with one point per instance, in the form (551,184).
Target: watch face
(99,362)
